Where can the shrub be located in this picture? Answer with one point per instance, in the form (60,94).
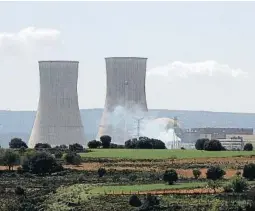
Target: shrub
(239,184)
(19,191)
(42,146)
(213,145)
(228,188)
(170,176)
(41,163)
(213,184)
(20,170)
(134,201)
(17,143)
(76,148)
(94,144)
(58,154)
(101,172)
(10,158)
(249,171)
(150,203)
(196,173)
(132,177)
(73,158)
(106,141)
(248,147)
(215,173)
(200,143)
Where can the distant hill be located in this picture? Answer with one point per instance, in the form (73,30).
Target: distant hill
(20,123)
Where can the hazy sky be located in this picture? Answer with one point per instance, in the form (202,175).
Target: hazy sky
(201,55)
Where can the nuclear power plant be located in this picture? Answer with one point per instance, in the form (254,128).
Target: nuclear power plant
(58,119)
(125,99)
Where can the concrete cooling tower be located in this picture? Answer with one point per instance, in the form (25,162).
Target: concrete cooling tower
(58,119)
(125,97)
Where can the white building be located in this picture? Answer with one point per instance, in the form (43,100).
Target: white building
(58,119)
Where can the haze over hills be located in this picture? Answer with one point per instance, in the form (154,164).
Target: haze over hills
(19,123)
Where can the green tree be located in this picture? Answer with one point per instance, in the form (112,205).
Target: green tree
(196,173)
(249,171)
(134,201)
(73,158)
(41,163)
(106,141)
(94,144)
(170,176)
(248,147)
(215,173)
(17,143)
(10,158)
(239,184)
(101,172)
(200,143)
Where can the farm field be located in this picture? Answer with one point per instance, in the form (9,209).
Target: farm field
(146,187)
(129,173)
(160,153)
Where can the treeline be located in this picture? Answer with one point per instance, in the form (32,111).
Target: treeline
(215,145)
(141,143)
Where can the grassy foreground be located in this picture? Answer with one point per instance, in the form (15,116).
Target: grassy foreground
(160,153)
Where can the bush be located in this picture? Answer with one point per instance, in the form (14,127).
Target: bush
(132,177)
(76,148)
(249,171)
(19,191)
(17,143)
(42,146)
(150,203)
(170,176)
(10,158)
(248,147)
(200,143)
(106,141)
(239,184)
(213,184)
(94,144)
(213,145)
(73,158)
(144,143)
(228,188)
(196,173)
(215,173)
(58,154)
(101,172)
(134,201)
(41,163)
(20,170)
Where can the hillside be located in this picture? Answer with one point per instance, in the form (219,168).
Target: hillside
(19,123)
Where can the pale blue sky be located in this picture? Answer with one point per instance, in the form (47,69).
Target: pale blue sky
(192,33)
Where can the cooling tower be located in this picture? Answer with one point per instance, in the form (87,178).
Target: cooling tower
(58,119)
(125,97)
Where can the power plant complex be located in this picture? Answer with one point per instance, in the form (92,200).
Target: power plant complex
(58,119)
(125,97)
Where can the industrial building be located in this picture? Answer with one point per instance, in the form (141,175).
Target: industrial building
(233,138)
(58,119)
(125,101)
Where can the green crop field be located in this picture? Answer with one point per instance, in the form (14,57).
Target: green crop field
(160,153)
(146,187)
